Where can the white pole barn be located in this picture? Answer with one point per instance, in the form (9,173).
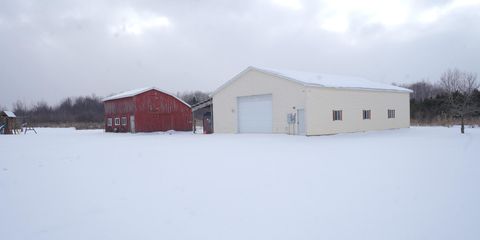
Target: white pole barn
(261,100)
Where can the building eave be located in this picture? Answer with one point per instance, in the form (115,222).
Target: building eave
(112,98)
(305,84)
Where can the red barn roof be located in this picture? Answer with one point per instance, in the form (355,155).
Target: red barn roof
(135,92)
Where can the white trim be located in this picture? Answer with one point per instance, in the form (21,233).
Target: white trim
(115,121)
(109,122)
(306,84)
(231,81)
(136,92)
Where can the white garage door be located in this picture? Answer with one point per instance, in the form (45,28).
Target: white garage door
(255,114)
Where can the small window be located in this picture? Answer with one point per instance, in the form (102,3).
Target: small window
(391,113)
(117,121)
(124,121)
(337,115)
(109,122)
(366,114)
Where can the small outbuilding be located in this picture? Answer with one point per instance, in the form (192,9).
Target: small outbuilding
(203,111)
(146,110)
(7,122)
(262,100)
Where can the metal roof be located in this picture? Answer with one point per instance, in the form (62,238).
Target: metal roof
(138,91)
(322,80)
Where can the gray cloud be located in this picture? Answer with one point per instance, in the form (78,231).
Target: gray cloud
(67,48)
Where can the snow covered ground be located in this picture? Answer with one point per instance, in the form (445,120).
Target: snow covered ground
(417,183)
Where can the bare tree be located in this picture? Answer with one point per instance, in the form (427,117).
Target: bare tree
(19,108)
(88,109)
(193,97)
(459,88)
(423,90)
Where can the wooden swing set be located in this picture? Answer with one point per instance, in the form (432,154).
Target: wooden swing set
(8,124)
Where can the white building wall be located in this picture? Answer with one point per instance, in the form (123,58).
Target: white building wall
(321,102)
(285,96)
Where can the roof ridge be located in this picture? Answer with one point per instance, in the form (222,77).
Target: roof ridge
(331,80)
(135,92)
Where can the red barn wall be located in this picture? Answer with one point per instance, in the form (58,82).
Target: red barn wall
(157,111)
(153,111)
(118,108)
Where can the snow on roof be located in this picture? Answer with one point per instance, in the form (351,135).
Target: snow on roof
(323,80)
(135,92)
(332,81)
(9,114)
(126,94)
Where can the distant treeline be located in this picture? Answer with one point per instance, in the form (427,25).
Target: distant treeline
(193,97)
(430,104)
(75,111)
(71,110)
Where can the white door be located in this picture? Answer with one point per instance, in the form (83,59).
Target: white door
(301,121)
(254,114)
(132,123)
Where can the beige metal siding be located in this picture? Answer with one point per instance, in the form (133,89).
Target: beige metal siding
(322,101)
(318,103)
(285,95)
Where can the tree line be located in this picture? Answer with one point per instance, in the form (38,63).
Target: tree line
(83,109)
(454,99)
(193,97)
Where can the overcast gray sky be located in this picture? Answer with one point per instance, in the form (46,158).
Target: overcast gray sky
(58,48)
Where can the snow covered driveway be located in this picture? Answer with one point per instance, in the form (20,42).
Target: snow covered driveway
(418,183)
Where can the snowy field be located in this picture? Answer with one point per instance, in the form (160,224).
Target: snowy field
(417,183)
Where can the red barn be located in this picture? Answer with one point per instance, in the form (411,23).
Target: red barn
(146,110)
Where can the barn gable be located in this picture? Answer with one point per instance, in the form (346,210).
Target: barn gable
(138,91)
(146,110)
